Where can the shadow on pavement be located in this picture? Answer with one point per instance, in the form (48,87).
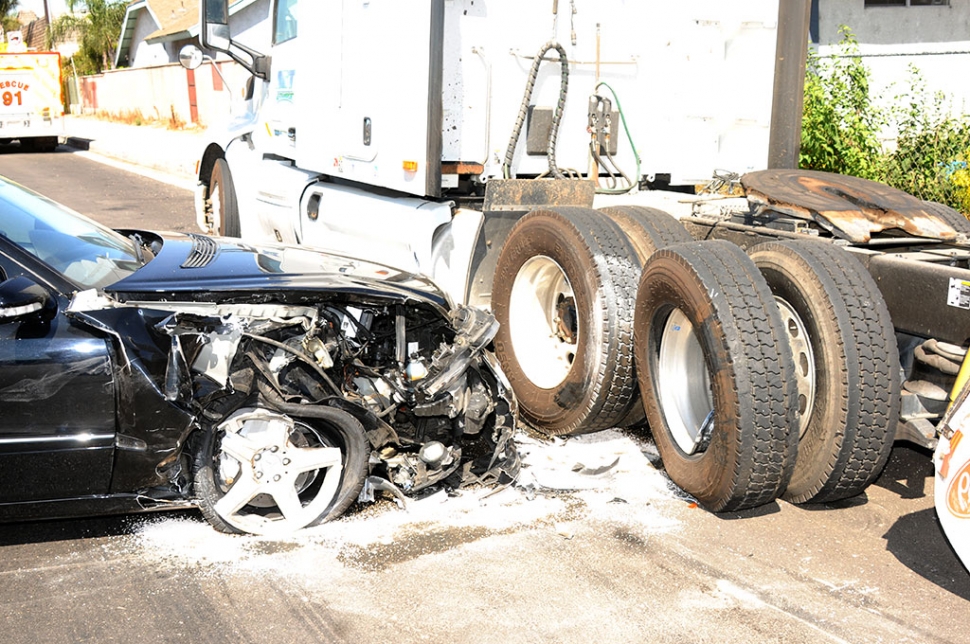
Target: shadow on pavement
(917,541)
(46,531)
(908,472)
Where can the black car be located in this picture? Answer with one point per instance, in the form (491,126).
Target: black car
(271,386)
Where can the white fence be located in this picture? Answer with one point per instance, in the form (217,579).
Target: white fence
(167,93)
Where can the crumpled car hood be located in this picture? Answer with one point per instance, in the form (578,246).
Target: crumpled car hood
(200,268)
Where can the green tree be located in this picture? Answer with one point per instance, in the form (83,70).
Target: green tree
(7,16)
(840,123)
(96,28)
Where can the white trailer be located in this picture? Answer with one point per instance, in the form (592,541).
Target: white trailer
(523,155)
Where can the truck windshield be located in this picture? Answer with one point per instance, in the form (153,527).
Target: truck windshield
(284,22)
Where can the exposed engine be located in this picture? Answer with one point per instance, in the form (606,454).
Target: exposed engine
(432,400)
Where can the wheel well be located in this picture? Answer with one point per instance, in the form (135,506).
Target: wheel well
(212,153)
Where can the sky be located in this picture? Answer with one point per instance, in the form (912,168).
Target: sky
(37,6)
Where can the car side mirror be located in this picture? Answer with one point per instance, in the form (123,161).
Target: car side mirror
(21,297)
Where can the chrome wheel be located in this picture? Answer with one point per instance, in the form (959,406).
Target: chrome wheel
(275,475)
(801,347)
(684,384)
(543,324)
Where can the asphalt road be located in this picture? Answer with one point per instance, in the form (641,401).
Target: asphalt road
(116,198)
(617,557)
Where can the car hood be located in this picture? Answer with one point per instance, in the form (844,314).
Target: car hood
(192,267)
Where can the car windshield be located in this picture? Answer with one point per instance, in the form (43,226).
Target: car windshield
(84,251)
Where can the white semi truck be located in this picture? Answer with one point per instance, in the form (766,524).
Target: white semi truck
(523,155)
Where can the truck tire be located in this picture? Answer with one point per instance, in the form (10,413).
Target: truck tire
(222,195)
(564,284)
(715,374)
(648,230)
(847,366)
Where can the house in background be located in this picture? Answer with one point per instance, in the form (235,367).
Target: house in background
(154,31)
(931,35)
(148,83)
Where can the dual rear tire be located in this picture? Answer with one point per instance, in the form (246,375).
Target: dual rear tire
(763,376)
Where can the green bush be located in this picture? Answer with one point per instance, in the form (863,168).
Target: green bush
(841,127)
(931,146)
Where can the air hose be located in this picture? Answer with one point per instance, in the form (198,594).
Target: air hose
(556,116)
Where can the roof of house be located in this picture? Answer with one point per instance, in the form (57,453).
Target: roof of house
(35,34)
(175,16)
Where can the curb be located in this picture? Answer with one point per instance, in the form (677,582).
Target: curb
(75,142)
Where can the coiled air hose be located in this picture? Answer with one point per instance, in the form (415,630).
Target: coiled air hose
(556,116)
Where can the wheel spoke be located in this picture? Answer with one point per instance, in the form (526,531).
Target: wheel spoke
(306,459)
(242,492)
(239,447)
(284,493)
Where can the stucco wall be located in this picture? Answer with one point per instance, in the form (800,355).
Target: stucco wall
(933,39)
(143,54)
(893,25)
(161,91)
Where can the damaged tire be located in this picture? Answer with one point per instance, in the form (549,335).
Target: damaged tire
(564,283)
(222,197)
(847,366)
(716,377)
(262,472)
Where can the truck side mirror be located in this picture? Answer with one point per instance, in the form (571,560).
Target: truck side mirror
(214,33)
(21,297)
(190,57)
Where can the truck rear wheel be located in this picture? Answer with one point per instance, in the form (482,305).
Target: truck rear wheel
(847,366)
(648,230)
(715,374)
(564,281)
(222,196)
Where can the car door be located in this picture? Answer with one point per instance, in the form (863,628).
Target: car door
(57,400)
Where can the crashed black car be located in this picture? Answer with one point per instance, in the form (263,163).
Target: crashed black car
(271,386)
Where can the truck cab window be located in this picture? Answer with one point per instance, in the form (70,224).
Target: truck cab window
(284,21)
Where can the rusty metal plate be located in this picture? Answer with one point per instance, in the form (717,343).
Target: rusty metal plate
(524,195)
(850,207)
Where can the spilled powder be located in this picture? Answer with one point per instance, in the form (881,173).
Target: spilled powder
(566,486)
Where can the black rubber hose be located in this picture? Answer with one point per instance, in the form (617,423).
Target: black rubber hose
(556,115)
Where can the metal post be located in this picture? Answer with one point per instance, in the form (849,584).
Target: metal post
(787,102)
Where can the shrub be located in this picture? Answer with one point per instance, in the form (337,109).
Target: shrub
(840,125)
